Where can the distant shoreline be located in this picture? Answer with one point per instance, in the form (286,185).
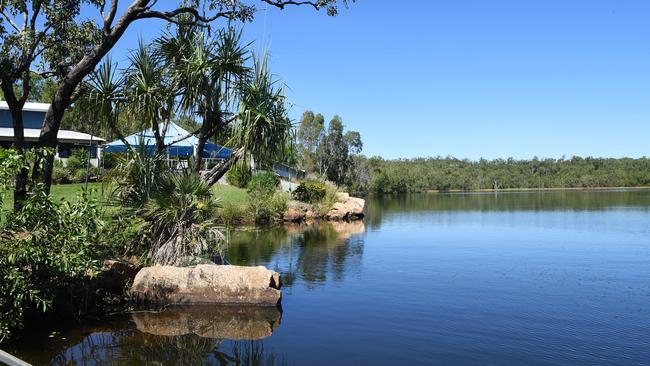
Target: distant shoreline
(485,190)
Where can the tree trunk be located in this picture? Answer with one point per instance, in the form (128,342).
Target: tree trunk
(20,180)
(220,170)
(44,163)
(16,109)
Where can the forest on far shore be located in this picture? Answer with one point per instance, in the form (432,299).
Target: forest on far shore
(378,176)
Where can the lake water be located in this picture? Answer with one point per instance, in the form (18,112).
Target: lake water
(553,278)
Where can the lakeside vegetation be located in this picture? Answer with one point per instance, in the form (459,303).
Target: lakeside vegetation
(379,176)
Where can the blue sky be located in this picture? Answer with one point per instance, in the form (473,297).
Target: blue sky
(472,79)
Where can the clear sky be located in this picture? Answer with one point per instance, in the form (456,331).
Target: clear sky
(468,78)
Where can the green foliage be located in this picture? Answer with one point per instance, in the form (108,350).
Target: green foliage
(444,174)
(43,247)
(179,220)
(136,177)
(232,214)
(266,204)
(310,132)
(10,163)
(264,183)
(239,176)
(263,128)
(311,191)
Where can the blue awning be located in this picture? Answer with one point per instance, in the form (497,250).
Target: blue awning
(182,148)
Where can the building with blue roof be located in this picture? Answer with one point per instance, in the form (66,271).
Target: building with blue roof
(183,148)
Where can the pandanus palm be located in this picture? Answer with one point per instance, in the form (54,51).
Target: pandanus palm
(106,95)
(206,69)
(262,127)
(151,91)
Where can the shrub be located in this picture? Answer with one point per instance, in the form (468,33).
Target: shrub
(311,191)
(264,208)
(78,160)
(231,214)
(265,203)
(136,177)
(44,247)
(60,174)
(265,182)
(179,220)
(329,199)
(239,176)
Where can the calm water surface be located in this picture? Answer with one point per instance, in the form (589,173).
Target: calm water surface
(558,278)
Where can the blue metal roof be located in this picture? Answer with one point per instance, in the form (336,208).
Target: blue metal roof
(174,132)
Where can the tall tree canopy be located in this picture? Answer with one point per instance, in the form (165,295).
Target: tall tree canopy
(310,133)
(50,38)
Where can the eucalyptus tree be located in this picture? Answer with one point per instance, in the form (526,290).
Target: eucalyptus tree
(310,133)
(50,36)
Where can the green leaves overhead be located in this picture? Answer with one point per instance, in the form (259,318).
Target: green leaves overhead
(263,127)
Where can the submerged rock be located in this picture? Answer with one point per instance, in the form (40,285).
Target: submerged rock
(207,284)
(219,322)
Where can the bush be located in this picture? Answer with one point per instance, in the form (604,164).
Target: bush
(60,175)
(265,203)
(311,191)
(265,182)
(330,198)
(44,247)
(231,214)
(239,176)
(179,220)
(78,160)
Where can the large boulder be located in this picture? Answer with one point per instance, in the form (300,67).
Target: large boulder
(220,322)
(207,284)
(348,208)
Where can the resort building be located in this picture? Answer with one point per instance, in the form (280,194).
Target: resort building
(181,145)
(33,115)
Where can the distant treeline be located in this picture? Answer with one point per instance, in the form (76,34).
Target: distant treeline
(375,175)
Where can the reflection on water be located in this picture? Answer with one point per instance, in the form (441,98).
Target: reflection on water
(204,335)
(505,201)
(311,253)
(552,278)
(210,322)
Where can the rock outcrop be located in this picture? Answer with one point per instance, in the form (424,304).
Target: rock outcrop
(207,284)
(348,208)
(236,323)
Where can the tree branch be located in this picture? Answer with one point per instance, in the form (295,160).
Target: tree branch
(171,15)
(11,21)
(108,20)
(281,4)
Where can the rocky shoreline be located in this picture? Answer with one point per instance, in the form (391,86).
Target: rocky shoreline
(346,209)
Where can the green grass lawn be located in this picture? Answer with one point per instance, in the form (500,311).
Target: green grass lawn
(70,193)
(230,194)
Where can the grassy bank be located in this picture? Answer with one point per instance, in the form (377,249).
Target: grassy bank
(70,192)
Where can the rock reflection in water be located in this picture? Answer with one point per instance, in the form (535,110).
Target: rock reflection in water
(211,322)
(178,336)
